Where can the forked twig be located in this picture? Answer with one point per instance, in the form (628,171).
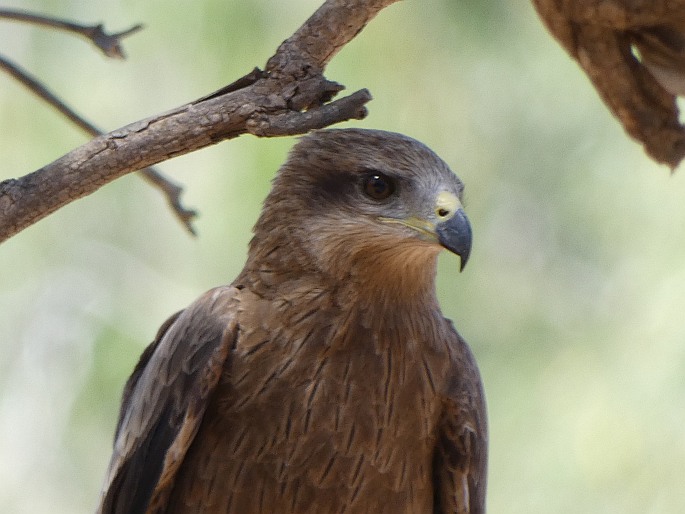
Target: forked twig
(109,44)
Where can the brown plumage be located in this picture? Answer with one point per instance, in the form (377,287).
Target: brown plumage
(324,379)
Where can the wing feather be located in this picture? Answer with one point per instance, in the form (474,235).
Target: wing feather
(460,461)
(164,401)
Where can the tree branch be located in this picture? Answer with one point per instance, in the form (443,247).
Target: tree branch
(269,103)
(171,190)
(295,122)
(109,44)
(601,35)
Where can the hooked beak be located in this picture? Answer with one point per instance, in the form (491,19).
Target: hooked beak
(455,235)
(451,229)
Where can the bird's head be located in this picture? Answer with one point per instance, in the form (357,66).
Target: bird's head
(355,200)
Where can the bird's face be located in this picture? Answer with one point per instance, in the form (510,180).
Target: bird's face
(435,217)
(368,191)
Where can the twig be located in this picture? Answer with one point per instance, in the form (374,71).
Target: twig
(173,193)
(295,122)
(171,190)
(109,44)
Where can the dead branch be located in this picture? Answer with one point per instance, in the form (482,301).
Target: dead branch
(109,44)
(601,36)
(290,97)
(171,190)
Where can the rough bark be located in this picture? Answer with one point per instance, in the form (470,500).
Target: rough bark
(291,96)
(600,35)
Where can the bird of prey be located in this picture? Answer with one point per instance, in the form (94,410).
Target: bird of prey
(324,379)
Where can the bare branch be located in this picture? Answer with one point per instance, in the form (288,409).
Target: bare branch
(171,190)
(109,44)
(265,103)
(601,35)
(295,122)
(173,193)
(330,28)
(34,85)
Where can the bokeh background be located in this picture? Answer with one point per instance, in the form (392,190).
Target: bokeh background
(573,301)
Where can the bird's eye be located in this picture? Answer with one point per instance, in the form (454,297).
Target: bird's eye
(378,186)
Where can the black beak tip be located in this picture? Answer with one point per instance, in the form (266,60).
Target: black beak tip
(464,259)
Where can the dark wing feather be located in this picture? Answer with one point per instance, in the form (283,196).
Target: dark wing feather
(142,362)
(460,461)
(164,401)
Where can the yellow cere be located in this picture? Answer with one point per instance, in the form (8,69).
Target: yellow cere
(446,204)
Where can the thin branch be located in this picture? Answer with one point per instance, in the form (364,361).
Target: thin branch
(171,190)
(109,44)
(34,85)
(292,82)
(173,193)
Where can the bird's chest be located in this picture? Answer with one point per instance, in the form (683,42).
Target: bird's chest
(341,414)
(318,414)
(338,372)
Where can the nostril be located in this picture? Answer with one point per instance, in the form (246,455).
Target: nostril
(446,205)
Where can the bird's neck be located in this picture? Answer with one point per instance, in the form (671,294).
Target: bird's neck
(383,276)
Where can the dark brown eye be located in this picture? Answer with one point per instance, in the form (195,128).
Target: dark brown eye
(378,186)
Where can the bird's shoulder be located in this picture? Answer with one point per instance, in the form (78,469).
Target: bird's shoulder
(165,398)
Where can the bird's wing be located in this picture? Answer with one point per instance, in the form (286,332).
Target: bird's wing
(164,401)
(460,462)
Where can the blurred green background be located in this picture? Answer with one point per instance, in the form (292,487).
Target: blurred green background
(573,300)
